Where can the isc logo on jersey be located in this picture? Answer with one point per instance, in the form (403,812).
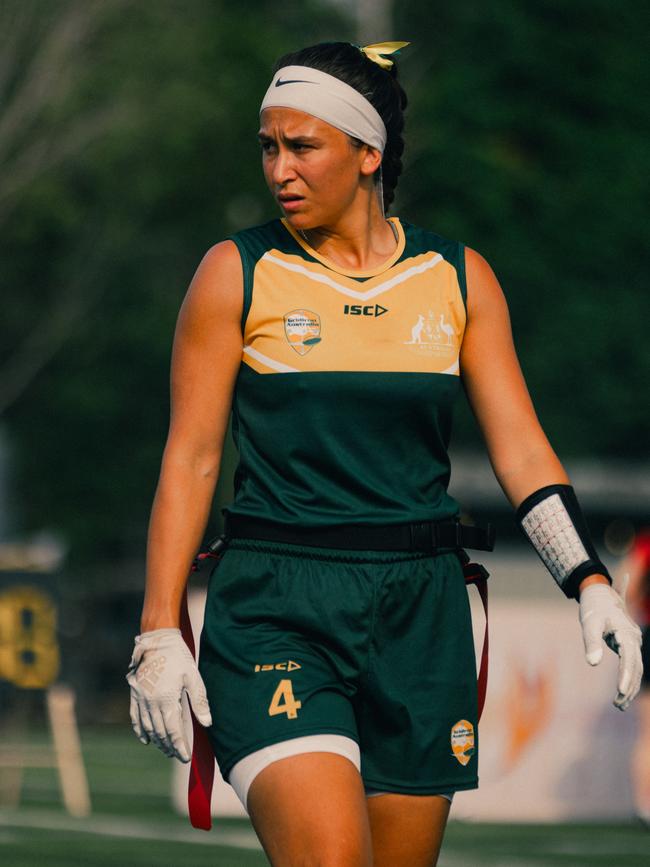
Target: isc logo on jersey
(364,310)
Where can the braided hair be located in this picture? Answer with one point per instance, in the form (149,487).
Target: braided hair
(379,86)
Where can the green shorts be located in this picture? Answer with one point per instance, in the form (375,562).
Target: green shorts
(374,645)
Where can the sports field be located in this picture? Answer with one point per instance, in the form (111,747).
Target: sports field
(133,825)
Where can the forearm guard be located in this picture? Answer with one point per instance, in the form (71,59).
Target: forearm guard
(553,522)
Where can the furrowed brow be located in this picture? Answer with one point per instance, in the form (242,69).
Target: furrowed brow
(301,139)
(298,139)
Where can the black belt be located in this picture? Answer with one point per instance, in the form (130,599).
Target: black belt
(426,536)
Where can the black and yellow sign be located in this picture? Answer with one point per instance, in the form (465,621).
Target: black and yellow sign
(29,651)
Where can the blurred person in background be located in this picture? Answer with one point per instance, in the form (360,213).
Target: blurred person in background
(637,566)
(337,677)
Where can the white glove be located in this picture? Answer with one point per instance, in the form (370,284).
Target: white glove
(603,615)
(161,667)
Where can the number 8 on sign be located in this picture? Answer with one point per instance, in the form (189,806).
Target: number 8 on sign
(29,652)
(290,707)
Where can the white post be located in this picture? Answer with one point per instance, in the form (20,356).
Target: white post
(67,747)
(11,781)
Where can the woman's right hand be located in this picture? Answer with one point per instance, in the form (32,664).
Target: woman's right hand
(161,667)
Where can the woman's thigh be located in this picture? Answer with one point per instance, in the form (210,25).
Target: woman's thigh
(407,829)
(309,810)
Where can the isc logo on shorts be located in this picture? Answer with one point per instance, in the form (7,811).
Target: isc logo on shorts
(462,741)
(290,665)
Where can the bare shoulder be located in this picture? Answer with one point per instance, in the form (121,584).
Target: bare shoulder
(483,288)
(217,286)
(206,354)
(476,263)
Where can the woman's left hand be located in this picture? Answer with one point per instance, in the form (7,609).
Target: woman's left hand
(603,616)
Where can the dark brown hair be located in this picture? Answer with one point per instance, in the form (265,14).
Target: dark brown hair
(379,86)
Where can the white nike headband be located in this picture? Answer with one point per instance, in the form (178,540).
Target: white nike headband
(328,98)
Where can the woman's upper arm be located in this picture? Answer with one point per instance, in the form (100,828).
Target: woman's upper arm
(491,372)
(206,356)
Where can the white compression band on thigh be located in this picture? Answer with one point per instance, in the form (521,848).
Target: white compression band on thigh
(370,793)
(245,770)
(327,97)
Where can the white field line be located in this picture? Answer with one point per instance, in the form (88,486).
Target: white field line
(453,860)
(45,787)
(128,829)
(636,842)
(547,856)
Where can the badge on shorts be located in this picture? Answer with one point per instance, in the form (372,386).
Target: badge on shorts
(462,741)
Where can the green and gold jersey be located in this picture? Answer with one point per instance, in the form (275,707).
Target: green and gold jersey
(342,407)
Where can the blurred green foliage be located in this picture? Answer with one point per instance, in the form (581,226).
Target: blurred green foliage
(526,138)
(532,147)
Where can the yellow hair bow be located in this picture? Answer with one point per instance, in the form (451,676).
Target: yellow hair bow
(376,51)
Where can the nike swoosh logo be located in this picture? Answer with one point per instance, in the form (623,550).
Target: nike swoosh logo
(279,82)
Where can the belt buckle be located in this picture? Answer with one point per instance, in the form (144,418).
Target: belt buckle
(218,545)
(423,536)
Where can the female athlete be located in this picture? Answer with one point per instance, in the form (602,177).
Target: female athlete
(337,678)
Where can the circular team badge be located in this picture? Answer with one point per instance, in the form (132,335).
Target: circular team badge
(462,741)
(302,330)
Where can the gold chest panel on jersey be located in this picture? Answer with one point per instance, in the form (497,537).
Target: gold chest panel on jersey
(305,317)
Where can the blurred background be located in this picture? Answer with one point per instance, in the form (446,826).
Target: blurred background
(128,148)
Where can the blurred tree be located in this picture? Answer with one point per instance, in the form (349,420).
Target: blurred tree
(527,137)
(135,151)
(43,57)
(103,241)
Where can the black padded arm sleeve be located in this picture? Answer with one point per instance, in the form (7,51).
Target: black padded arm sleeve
(552,521)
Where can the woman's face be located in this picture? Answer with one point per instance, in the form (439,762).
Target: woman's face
(313,170)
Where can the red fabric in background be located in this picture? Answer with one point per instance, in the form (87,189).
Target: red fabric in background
(477,574)
(199,792)
(642,548)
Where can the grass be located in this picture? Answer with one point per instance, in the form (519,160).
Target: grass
(133,824)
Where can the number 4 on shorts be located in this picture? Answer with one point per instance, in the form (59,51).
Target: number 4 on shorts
(290,705)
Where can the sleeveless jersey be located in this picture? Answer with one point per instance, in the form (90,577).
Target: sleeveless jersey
(342,406)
